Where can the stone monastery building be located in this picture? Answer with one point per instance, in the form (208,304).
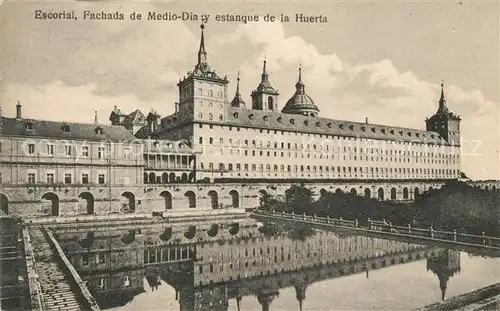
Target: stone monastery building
(215,152)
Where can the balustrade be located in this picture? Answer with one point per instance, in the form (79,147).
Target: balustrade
(389,228)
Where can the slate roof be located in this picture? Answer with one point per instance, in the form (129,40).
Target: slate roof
(298,123)
(136,117)
(54,129)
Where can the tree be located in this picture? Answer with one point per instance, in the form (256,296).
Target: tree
(299,199)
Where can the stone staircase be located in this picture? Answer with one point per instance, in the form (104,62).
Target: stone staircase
(57,293)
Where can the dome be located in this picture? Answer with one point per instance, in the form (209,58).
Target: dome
(300,102)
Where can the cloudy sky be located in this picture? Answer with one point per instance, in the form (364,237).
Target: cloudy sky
(381,60)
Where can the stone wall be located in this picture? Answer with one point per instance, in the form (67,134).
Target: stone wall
(62,200)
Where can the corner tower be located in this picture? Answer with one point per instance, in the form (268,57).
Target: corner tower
(203,93)
(265,97)
(444,122)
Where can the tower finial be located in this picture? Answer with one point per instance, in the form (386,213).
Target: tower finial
(442,100)
(300,86)
(264,75)
(95,118)
(202,54)
(238,84)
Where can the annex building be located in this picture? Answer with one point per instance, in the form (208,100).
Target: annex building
(217,151)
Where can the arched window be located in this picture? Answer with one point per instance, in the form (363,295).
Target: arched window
(210,93)
(270,102)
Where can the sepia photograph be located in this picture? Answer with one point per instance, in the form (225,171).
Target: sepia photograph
(249,155)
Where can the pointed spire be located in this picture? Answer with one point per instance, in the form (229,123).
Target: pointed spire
(442,100)
(96,122)
(238,101)
(443,285)
(265,75)
(238,84)
(202,54)
(238,301)
(300,86)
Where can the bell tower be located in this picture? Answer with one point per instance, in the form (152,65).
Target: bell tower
(444,122)
(203,93)
(265,97)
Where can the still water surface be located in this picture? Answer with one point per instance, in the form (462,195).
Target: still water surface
(249,269)
(404,287)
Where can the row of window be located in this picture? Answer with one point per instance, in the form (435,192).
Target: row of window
(210,116)
(209,93)
(68,151)
(68,178)
(333,169)
(303,155)
(325,135)
(328,146)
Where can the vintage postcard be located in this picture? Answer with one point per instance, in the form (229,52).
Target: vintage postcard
(249,155)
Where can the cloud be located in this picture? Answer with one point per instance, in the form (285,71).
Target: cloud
(94,66)
(58,101)
(376,90)
(117,57)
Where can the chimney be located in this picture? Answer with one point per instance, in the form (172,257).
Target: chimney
(366,120)
(18,111)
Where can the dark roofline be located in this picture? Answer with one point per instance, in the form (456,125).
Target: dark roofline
(431,142)
(69,134)
(184,80)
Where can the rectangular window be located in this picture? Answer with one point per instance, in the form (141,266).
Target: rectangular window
(85,178)
(126,281)
(50,178)
(100,152)
(101,179)
(31,149)
(210,166)
(230,166)
(67,178)
(85,260)
(50,149)
(100,258)
(67,150)
(85,151)
(31,178)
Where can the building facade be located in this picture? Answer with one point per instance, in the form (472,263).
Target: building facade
(49,166)
(213,153)
(240,142)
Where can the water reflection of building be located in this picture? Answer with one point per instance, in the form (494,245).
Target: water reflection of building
(445,264)
(207,274)
(114,262)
